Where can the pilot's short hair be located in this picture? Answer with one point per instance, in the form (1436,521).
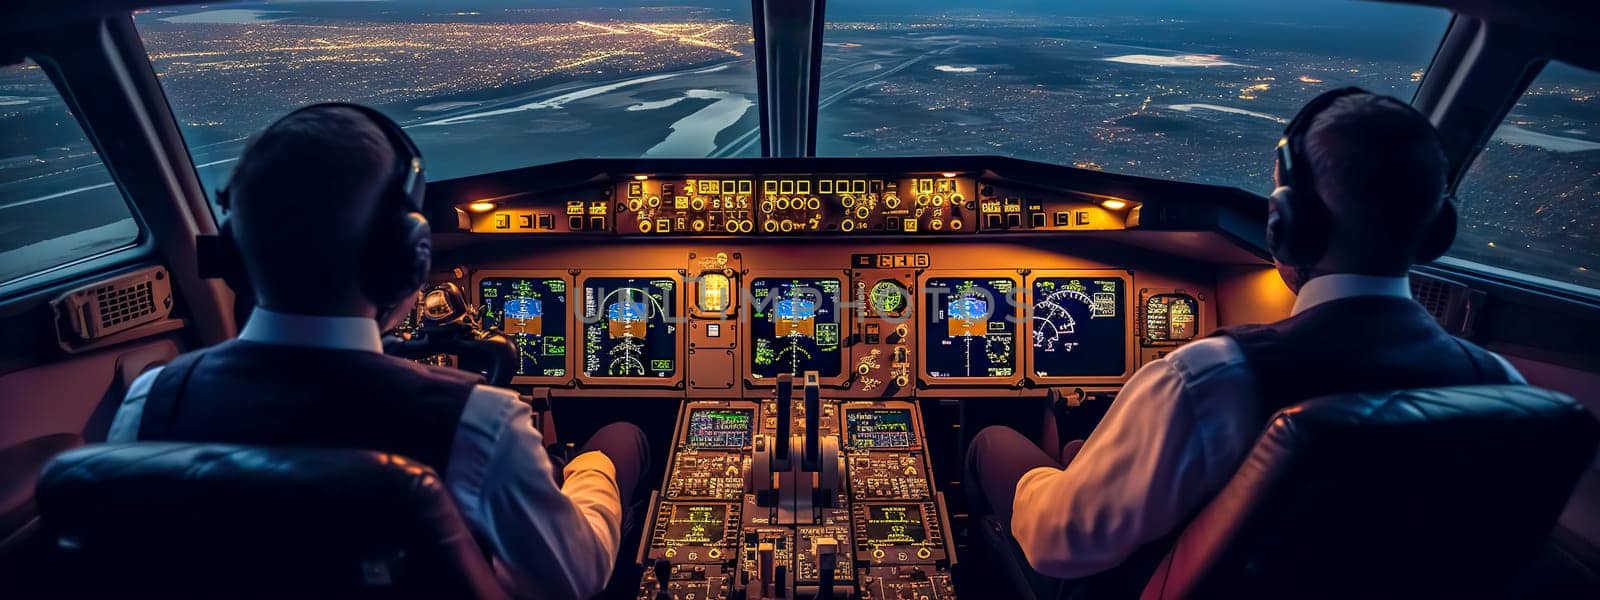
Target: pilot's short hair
(304,191)
(1377,162)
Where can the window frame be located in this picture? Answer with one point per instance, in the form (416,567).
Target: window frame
(140,249)
(1531,68)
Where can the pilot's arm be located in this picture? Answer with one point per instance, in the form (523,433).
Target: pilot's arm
(548,541)
(1171,439)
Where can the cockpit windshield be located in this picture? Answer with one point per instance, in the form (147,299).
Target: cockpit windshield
(481,86)
(1193,91)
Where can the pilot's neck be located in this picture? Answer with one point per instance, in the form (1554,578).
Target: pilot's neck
(314,331)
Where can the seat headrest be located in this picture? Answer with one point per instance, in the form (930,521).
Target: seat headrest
(205,515)
(1442,492)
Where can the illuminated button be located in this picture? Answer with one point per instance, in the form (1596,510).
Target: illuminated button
(956,198)
(922,553)
(699,203)
(863,212)
(525,221)
(546,221)
(1013,220)
(769,226)
(1037,219)
(891,201)
(634,205)
(864,369)
(1063,218)
(938,200)
(922,200)
(653,202)
(848,201)
(597,223)
(877,553)
(992,222)
(955,224)
(575,223)
(910,225)
(698,225)
(894,223)
(663,225)
(783,203)
(936,225)
(814,203)
(646,226)
(766,206)
(785,226)
(847,225)
(502,221)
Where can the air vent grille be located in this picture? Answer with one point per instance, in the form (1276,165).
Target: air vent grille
(1453,305)
(95,312)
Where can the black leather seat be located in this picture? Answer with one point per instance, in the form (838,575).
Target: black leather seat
(212,520)
(1425,493)
(1430,493)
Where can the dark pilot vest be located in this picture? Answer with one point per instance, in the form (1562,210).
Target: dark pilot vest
(249,393)
(1356,345)
(1352,345)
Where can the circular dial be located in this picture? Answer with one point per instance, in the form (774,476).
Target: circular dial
(888,297)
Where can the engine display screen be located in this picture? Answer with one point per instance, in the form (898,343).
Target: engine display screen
(970,327)
(630,327)
(795,326)
(1170,318)
(1079,327)
(695,525)
(719,427)
(533,313)
(879,427)
(895,525)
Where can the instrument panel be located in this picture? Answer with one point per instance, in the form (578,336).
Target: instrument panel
(872,332)
(886,284)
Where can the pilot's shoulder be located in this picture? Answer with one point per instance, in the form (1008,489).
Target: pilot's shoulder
(496,395)
(1205,357)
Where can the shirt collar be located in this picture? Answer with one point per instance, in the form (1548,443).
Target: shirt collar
(315,331)
(1338,286)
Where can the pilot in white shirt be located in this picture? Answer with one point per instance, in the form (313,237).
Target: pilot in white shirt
(548,540)
(1182,424)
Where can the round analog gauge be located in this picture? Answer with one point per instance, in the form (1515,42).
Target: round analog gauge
(889,297)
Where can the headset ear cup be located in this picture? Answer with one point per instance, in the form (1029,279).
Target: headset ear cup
(1280,225)
(397,262)
(230,262)
(1441,234)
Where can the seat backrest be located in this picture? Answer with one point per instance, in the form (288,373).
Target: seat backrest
(214,520)
(1435,493)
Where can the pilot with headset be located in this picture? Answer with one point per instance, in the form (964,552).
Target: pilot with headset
(1362,196)
(324,226)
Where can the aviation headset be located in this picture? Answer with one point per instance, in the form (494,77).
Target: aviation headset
(397,250)
(1303,227)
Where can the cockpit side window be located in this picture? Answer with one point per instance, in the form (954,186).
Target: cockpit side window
(1530,203)
(58,202)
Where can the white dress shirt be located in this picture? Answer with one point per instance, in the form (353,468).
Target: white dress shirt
(547,541)
(1174,435)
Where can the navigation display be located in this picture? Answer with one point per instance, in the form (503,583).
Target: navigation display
(533,313)
(629,327)
(719,428)
(879,427)
(695,525)
(895,525)
(795,326)
(1170,318)
(1079,327)
(970,327)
